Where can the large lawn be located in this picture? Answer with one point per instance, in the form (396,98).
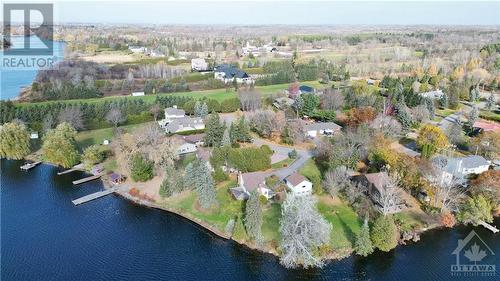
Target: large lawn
(218,94)
(91,137)
(345,222)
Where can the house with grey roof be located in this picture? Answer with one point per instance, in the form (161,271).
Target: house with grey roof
(249,182)
(227,73)
(458,168)
(316,129)
(184,124)
(171,113)
(298,184)
(376,185)
(437,94)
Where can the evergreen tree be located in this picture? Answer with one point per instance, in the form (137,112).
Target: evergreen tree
(364,245)
(141,168)
(443,101)
(14,141)
(243,130)
(204,110)
(403,116)
(198,109)
(226,140)
(490,102)
(384,233)
(215,131)
(204,184)
(253,218)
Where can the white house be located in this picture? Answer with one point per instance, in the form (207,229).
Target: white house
(186,148)
(199,64)
(227,74)
(298,184)
(137,49)
(437,94)
(248,182)
(184,124)
(321,129)
(171,113)
(459,168)
(138,94)
(34,135)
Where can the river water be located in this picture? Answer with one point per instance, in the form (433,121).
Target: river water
(45,237)
(14,79)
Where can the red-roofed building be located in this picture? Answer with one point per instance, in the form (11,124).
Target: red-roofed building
(485,126)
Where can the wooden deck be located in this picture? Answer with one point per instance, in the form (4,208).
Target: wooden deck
(93,196)
(75,168)
(87,179)
(28,166)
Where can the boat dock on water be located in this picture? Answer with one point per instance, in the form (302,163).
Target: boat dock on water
(28,166)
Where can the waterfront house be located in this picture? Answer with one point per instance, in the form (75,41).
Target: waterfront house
(199,65)
(227,73)
(116,178)
(184,124)
(298,184)
(316,129)
(249,182)
(375,185)
(459,168)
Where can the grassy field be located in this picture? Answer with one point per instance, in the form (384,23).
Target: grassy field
(345,222)
(445,112)
(218,94)
(282,163)
(91,137)
(310,171)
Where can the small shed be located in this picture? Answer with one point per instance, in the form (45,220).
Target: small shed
(116,178)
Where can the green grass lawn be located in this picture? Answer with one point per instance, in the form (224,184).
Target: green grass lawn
(270,224)
(345,223)
(489,115)
(91,137)
(445,112)
(282,163)
(218,94)
(311,171)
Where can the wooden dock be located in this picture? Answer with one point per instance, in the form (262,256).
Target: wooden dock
(93,196)
(75,168)
(489,226)
(87,179)
(28,166)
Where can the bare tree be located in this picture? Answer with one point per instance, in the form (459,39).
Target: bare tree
(72,115)
(250,100)
(448,191)
(115,116)
(267,122)
(332,100)
(303,230)
(155,110)
(389,195)
(336,180)
(387,125)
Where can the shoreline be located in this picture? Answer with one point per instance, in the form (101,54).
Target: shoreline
(219,234)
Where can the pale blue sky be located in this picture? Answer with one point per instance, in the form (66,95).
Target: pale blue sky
(282,12)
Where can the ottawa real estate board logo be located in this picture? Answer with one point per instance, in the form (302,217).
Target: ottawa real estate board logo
(473,257)
(28,35)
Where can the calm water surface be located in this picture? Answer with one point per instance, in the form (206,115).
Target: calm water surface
(45,237)
(12,80)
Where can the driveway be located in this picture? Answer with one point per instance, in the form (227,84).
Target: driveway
(302,157)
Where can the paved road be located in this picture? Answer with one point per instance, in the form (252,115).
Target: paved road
(302,157)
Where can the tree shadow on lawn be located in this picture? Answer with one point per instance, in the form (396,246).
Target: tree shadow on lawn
(349,234)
